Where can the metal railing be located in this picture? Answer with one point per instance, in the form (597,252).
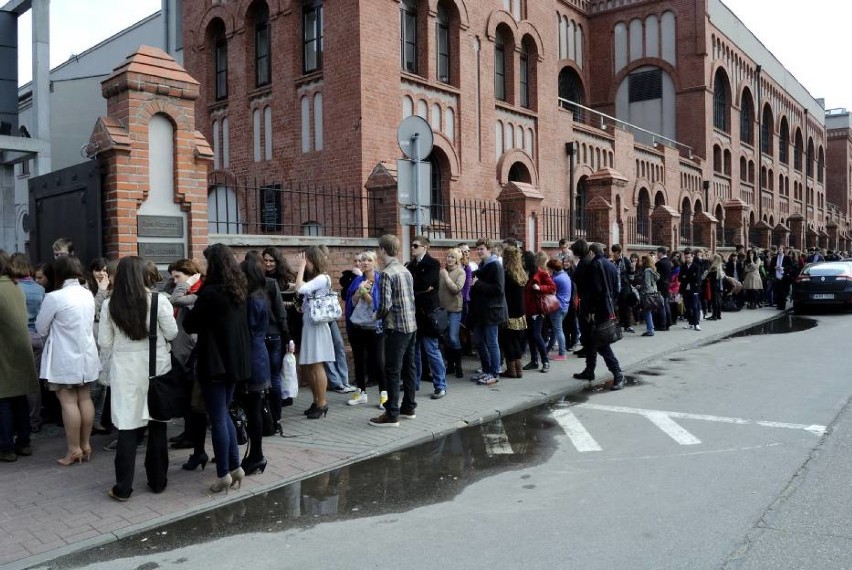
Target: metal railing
(283,209)
(638,231)
(464,219)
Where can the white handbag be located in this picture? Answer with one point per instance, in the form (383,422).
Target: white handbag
(324,307)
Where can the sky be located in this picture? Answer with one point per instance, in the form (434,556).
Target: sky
(812,43)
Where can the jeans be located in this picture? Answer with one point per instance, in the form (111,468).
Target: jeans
(367,354)
(399,365)
(14,419)
(428,346)
(489,349)
(218,397)
(571,327)
(649,321)
(556,332)
(99,396)
(454,325)
(337,372)
(609,359)
(693,304)
(156,458)
(666,317)
(252,405)
(537,347)
(275,347)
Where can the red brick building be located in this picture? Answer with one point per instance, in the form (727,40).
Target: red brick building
(645,122)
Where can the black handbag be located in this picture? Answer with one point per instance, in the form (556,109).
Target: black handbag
(266,416)
(608,331)
(167,395)
(238,417)
(652,301)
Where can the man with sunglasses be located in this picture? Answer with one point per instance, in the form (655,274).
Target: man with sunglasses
(426,272)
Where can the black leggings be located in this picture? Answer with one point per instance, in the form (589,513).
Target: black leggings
(252,405)
(367,352)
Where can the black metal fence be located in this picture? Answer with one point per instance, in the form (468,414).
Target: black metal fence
(282,209)
(464,219)
(638,231)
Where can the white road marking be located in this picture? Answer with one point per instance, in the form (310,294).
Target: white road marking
(578,434)
(672,428)
(815,429)
(496,440)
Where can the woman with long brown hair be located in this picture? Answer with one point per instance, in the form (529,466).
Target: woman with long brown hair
(223,355)
(513,334)
(317,347)
(123,331)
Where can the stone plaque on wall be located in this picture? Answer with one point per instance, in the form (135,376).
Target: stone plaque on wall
(162,252)
(160,226)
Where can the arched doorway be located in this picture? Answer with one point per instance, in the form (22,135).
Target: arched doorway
(519,172)
(439,185)
(720,226)
(686,222)
(580,198)
(643,218)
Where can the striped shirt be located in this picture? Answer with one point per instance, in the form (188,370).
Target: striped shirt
(396,307)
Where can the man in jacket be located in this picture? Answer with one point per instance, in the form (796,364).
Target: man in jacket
(488,310)
(781,268)
(690,288)
(664,269)
(426,271)
(396,309)
(624,294)
(596,279)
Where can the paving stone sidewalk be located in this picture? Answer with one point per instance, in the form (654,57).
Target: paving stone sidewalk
(48,511)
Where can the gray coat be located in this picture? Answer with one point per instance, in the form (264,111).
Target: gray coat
(17,367)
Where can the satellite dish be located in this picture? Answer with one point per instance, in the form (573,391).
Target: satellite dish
(411,127)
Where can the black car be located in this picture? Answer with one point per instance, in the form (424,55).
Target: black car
(823,283)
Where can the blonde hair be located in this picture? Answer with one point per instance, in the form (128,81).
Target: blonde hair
(456,252)
(368,255)
(514,266)
(541,260)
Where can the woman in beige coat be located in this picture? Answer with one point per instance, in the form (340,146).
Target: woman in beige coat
(17,369)
(450,285)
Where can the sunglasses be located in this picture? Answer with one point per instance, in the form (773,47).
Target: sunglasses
(415,245)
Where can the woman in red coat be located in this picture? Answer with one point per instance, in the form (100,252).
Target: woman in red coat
(540,283)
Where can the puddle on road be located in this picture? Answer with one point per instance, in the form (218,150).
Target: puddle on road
(429,473)
(781,325)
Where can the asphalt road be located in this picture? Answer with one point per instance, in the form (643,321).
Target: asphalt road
(732,455)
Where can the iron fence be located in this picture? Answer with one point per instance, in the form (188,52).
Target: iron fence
(281,209)
(464,219)
(638,231)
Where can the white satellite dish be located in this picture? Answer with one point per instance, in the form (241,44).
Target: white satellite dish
(411,129)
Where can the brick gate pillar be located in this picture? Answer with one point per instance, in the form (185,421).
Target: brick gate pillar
(706,225)
(148,83)
(665,227)
(736,218)
(797,231)
(764,234)
(602,187)
(780,235)
(383,189)
(832,230)
(520,206)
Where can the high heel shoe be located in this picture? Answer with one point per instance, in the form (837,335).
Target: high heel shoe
(222,484)
(279,428)
(310,410)
(71,459)
(252,467)
(87,453)
(195,460)
(317,413)
(237,476)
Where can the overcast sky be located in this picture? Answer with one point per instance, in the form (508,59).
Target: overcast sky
(812,39)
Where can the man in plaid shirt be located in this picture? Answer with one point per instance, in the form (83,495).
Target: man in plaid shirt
(396,309)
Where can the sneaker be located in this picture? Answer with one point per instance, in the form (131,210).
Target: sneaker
(111,445)
(360,397)
(384,420)
(531,366)
(8,456)
(344,389)
(688,327)
(477,375)
(697,328)
(629,329)
(487,380)
(545,367)
(383,397)
(438,394)
(648,333)
(407,414)
(558,357)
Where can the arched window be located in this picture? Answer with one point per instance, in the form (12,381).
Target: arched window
(717,158)
(223,212)
(747,118)
(743,169)
(408,35)
(442,43)
(312,46)
(262,44)
(643,215)
(686,222)
(524,79)
(820,164)
(784,142)
(727,162)
(503,48)
(767,128)
(580,222)
(519,173)
(255,128)
(220,59)
(571,89)
(318,127)
(437,194)
(798,151)
(720,101)
(809,165)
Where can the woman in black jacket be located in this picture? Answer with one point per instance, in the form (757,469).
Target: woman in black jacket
(488,310)
(224,355)
(513,335)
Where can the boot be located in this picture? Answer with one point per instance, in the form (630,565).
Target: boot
(458,357)
(519,368)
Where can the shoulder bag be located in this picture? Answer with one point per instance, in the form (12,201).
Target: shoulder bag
(546,303)
(167,393)
(325,307)
(608,331)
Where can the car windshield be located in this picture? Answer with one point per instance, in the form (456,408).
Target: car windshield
(828,269)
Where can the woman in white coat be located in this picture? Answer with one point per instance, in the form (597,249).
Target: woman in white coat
(70,360)
(124,331)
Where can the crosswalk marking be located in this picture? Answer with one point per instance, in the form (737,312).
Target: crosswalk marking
(578,434)
(496,440)
(815,429)
(672,428)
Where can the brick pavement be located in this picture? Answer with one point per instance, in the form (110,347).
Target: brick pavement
(47,510)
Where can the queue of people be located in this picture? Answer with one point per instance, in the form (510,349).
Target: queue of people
(226,325)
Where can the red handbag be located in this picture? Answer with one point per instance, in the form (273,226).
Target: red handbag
(546,303)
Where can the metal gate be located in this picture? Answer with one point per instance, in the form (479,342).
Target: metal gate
(66,203)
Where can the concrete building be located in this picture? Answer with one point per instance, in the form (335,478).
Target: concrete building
(637,121)
(61,121)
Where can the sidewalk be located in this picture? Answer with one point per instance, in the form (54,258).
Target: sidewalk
(48,511)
